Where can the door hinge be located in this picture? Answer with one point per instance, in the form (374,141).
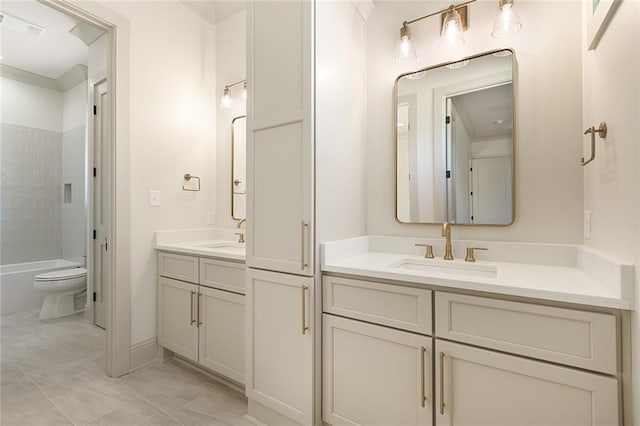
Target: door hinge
(95,298)
(470,169)
(448,174)
(471,217)
(472,193)
(95,172)
(448,119)
(95,110)
(106,246)
(94,234)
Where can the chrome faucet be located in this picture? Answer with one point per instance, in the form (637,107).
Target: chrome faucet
(446,232)
(241,222)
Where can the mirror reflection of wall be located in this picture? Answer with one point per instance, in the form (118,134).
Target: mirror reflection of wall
(454,142)
(239,167)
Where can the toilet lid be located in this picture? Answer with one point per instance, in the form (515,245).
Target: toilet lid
(63,274)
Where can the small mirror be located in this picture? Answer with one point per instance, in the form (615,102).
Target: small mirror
(238,167)
(455,142)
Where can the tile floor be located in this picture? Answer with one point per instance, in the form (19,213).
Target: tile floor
(51,373)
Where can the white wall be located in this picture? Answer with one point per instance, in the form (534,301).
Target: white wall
(340,112)
(30,106)
(611,191)
(231,54)
(166,128)
(548,117)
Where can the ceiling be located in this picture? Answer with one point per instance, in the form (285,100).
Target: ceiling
(51,54)
(215,11)
(488,112)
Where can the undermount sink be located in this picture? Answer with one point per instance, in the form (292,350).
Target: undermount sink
(225,246)
(447,267)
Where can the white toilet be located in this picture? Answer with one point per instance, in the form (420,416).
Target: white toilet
(60,288)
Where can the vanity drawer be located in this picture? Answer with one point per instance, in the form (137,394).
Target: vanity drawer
(223,275)
(578,338)
(180,267)
(406,308)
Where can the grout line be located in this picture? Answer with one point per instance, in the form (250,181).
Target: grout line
(60,410)
(157,407)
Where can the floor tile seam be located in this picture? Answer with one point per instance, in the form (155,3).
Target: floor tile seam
(195,409)
(53,404)
(157,407)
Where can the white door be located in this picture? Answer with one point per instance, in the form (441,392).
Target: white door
(280,136)
(279,343)
(375,375)
(481,387)
(99,268)
(221,334)
(492,191)
(178,317)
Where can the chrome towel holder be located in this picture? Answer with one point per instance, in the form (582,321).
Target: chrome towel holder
(602,132)
(188,177)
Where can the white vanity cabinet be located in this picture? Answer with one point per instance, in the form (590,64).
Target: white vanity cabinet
(481,387)
(495,361)
(280,343)
(373,373)
(203,323)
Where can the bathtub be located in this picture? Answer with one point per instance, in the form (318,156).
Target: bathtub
(16,284)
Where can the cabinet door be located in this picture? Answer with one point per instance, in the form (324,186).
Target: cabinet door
(177,317)
(280,136)
(221,316)
(279,343)
(374,375)
(481,387)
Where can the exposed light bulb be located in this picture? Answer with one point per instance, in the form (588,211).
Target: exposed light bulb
(451,30)
(244,91)
(225,103)
(405,51)
(507,20)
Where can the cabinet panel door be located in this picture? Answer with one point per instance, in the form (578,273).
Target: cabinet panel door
(279,343)
(375,375)
(280,136)
(221,348)
(177,322)
(481,387)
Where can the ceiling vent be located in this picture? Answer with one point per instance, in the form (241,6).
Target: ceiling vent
(19,24)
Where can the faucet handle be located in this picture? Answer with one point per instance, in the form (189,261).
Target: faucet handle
(470,257)
(429,253)
(240,236)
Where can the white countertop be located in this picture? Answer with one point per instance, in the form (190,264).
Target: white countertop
(576,275)
(215,242)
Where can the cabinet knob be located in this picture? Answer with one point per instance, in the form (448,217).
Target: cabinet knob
(470,253)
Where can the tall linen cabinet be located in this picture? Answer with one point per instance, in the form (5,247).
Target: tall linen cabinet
(294,162)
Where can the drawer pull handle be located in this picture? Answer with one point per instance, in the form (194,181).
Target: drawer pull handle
(199,301)
(305,327)
(442,383)
(193,321)
(303,233)
(423,396)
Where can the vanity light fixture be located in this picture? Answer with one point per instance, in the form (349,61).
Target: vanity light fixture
(454,22)
(507,20)
(225,102)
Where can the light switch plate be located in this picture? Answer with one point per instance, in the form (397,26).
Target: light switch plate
(587,223)
(154,198)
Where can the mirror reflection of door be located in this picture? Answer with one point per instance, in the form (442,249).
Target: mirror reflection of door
(479,163)
(239,167)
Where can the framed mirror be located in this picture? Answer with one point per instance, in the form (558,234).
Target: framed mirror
(455,142)
(238,167)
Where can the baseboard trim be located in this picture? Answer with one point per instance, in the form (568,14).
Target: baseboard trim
(143,354)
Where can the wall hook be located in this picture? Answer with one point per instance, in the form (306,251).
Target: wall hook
(602,132)
(188,177)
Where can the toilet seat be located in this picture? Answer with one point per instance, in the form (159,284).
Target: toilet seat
(64,274)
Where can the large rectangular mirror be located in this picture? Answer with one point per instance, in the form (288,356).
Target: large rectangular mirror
(238,167)
(455,142)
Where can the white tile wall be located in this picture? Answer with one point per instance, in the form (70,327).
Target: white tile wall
(31,194)
(74,214)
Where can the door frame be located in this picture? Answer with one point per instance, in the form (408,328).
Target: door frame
(119,306)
